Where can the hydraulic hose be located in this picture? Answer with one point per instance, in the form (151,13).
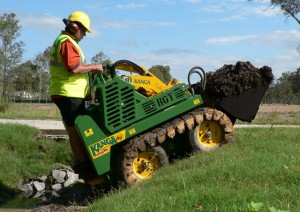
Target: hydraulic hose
(202,75)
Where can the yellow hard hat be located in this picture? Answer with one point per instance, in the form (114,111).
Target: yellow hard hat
(82,18)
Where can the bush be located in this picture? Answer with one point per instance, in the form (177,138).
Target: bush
(3,107)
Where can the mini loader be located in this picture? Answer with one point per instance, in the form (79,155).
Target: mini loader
(137,124)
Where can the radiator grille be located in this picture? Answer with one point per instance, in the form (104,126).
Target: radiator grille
(120,107)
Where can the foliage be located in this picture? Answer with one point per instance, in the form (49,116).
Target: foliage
(259,206)
(101,58)
(295,80)
(286,89)
(255,206)
(21,79)
(3,107)
(41,76)
(10,51)
(290,8)
(161,72)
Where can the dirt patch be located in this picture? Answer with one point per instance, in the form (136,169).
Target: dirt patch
(49,109)
(278,114)
(279,108)
(46,107)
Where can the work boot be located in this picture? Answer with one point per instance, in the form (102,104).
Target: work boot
(86,171)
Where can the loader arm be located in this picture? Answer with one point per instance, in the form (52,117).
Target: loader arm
(142,79)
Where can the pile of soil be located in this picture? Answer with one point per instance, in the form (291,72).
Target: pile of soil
(233,80)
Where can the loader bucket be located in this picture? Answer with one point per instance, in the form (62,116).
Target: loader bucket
(238,89)
(244,106)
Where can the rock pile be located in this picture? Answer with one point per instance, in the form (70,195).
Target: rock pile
(232,80)
(51,185)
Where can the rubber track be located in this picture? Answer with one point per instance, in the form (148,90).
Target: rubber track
(187,122)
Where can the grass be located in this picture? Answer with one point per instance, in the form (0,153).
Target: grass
(23,156)
(30,111)
(262,166)
(260,169)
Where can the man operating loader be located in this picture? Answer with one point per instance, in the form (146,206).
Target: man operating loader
(69,79)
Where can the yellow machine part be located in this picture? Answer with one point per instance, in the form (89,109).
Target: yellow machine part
(210,133)
(146,83)
(145,165)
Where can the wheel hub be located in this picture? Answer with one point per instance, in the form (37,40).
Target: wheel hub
(145,165)
(210,133)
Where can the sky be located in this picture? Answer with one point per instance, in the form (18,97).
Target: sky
(181,34)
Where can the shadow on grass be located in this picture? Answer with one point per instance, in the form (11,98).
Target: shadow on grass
(6,193)
(74,198)
(80,194)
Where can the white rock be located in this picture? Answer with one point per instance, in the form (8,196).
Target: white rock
(38,186)
(72,178)
(59,176)
(56,187)
(26,187)
(43,178)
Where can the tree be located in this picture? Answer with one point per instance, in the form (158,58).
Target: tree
(295,79)
(41,63)
(11,52)
(161,72)
(21,79)
(100,58)
(290,8)
(285,90)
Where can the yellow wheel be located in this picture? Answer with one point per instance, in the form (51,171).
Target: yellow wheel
(137,164)
(145,165)
(215,129)
(209,134)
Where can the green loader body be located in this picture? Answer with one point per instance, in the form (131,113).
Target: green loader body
(122,113)
(133,127)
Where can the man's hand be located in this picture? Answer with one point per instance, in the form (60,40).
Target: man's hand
(98,68)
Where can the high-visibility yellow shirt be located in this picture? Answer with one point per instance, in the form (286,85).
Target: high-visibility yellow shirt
(62,81)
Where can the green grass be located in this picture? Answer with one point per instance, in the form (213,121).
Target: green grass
(262,166)
(23,156)
(29,111)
